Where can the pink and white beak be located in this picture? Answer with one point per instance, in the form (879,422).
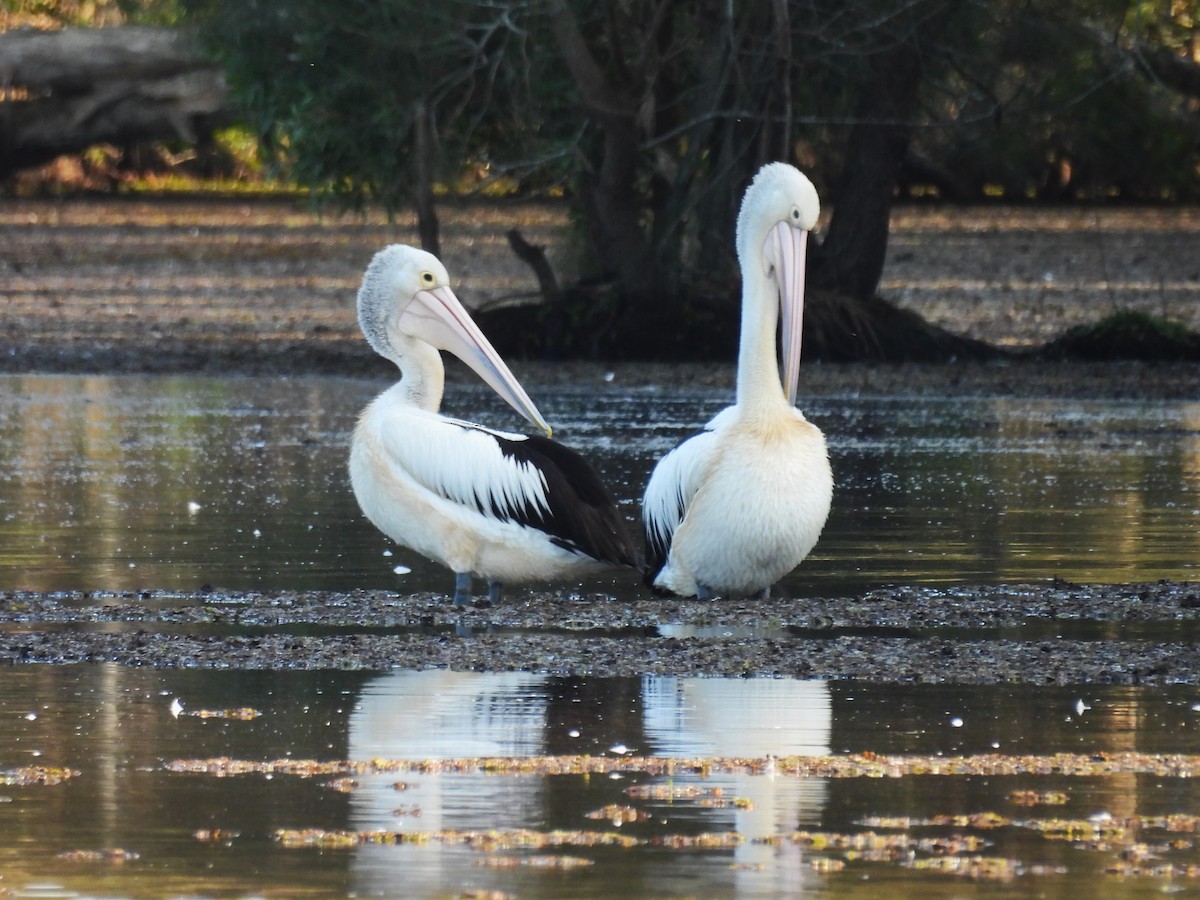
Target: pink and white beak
(791,250)
(437,316)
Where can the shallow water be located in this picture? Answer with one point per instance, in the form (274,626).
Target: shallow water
(128,483)
(116,726)
(170,482)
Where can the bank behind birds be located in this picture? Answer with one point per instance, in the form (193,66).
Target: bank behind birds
(737,506)
(506,507)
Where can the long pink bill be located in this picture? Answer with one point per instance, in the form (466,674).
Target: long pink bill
(442,320)
(791,250)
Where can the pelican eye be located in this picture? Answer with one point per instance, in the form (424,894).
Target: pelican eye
(795,214)
(427,278)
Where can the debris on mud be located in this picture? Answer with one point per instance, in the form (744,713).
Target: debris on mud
(905,635)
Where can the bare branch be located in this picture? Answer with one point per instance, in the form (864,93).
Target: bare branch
(1172,70)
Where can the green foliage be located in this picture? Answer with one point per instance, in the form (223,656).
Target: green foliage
(1020,92)
(1020,98)
(1041,100)
(335,90)
(89,13)
(1128,334)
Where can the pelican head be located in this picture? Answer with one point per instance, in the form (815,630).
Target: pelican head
(779,210)
(406,297)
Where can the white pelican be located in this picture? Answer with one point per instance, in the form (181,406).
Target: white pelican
(506,507)
(736,507)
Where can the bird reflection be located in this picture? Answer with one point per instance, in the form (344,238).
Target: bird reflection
(439,714)
(750,718)
(450,715)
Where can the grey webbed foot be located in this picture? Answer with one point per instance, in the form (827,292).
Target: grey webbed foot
(704,592)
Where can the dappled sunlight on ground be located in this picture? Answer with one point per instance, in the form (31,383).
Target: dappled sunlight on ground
(113,270)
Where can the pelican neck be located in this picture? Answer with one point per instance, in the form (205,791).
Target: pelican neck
(758,380)
(422,374)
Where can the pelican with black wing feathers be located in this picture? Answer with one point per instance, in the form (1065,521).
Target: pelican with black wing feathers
(736,507)
(505,507)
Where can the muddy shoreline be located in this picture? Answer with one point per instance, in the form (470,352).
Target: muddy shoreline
(265,289)
(1034,633)
(898,635)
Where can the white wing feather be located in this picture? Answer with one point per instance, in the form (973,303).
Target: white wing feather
(672,485)
(464,463)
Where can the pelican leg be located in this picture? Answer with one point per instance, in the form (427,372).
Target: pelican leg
(764,594)
(495,588)
(462,588)
(704,592)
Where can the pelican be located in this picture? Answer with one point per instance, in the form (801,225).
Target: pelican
(734,508)
(505,507)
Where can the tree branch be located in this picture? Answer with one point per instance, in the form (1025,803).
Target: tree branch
(589,79)
(1163,65)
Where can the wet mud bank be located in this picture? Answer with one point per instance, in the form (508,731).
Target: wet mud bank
(1031,634)
(266,290)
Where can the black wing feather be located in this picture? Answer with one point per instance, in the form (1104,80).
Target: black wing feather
(583,516)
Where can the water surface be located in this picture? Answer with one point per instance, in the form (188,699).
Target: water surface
(116,726)
(172,482)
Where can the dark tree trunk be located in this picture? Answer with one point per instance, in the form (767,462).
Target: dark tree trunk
(783,55)
(850,259)
(68,90)
(428,224)
(609,197)
(613,212)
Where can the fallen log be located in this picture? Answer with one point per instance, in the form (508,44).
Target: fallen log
(65,91)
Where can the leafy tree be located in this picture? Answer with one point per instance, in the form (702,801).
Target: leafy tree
(373,100)
(1042,100)
(653,114)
